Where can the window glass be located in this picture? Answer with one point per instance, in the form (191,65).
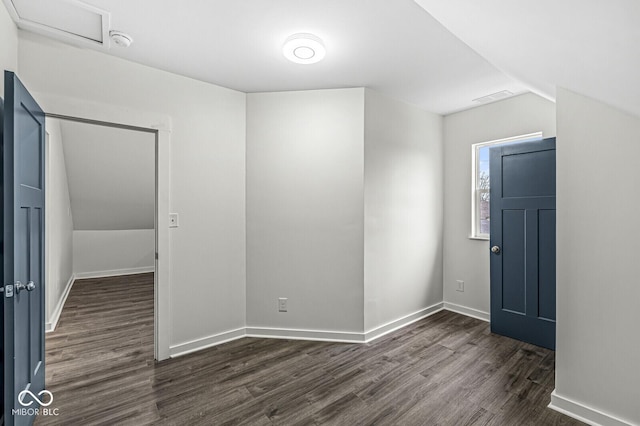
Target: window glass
(483,190)
(480,211)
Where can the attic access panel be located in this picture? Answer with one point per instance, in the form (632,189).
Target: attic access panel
(68,20)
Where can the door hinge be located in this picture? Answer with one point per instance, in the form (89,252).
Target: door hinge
(7,290)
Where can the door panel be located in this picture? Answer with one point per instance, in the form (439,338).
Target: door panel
(527,165)
(23,249)
(547,265)
(513,295)
(523,179)
(2,351)
(30,146)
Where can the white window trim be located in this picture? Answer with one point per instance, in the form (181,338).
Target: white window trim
(475,232)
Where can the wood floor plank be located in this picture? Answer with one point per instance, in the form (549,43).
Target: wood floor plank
(447,369)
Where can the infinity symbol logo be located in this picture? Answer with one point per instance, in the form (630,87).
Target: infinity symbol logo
(22,394)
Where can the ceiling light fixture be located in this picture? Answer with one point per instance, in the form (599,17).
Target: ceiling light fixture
(303,48)
(121,39)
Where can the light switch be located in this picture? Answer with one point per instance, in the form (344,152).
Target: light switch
(173,220)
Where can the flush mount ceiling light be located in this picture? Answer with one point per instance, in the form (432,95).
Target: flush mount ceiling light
(121,39)
(303,48)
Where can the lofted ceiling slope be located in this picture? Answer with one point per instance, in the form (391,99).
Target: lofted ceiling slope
(590,47)
(111,175)
(392,46)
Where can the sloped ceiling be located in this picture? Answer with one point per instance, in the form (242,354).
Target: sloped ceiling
(591,47)
(392,46)
(111,175)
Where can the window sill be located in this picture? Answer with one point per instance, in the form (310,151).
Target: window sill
(471,237)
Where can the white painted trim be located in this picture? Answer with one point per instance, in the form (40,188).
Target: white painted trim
(470,312)
(583,412)
(206,342)
(114,272)
(397,324)
(162,302)
(298,334)
(55,316)
(304,334)
(105,113)
(67,37)
(57,105)
(343,336)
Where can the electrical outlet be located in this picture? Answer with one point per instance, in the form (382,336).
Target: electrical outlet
(282,304)
(173,220)
(460,285)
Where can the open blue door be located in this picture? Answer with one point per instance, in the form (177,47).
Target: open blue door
(23,148)
(523,241)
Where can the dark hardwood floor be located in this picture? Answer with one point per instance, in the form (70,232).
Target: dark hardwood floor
(447,369)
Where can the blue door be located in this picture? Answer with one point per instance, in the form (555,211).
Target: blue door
(523,241)
(22,252)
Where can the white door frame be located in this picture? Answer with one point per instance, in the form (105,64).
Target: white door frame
(160,124)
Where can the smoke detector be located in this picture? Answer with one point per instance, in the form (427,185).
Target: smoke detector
(120,39)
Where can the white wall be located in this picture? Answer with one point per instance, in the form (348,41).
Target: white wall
(598,343)
(403,182)
(304,209)
(59,223)
(111,175)
(8,46)
(113,252)
(466,259)
(207,171)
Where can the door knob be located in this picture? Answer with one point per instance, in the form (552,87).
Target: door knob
(30,286)
(495,249)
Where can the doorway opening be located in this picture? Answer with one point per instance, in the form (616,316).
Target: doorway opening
(102,235)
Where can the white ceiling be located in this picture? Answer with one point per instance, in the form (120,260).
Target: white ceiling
(111,175)
(441,60)
(589,46)
(392,46)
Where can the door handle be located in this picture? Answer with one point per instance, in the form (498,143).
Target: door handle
(30,286)
(495,249)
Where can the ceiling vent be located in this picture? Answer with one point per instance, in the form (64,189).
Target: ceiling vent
(68,20)
(494,97)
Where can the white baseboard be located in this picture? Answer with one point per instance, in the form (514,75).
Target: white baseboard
(206,342)
(297,334)
(55,315)
(300,334)
(115,272)
(321,335)
(397,324)
(584,413)
(470,312)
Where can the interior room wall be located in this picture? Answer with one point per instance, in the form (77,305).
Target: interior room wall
(111,174)
(466,259)
(8,46)
(598,243)
(207,172)
(403,184)
(113,252)
(305,216)
(58,226)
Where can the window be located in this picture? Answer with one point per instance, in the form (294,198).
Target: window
(480,216)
